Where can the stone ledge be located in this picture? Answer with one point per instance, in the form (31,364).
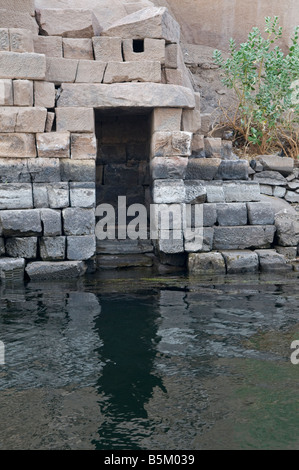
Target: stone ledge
(46,270)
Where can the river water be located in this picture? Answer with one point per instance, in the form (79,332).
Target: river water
(128,361)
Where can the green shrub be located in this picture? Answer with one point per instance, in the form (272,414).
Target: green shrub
(266,114)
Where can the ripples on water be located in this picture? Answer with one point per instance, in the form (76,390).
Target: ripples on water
(154,364)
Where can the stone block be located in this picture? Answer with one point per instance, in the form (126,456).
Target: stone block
(191,121)
(273,178)
(51,222)
(197,145)
(279,191)
(2,247)
(31,120)
(238,238)
(238,262)
(292,197)
(20,40)
(44,170)
(287,228)
(20,223)
(46,270)
(44,94)
(17,145)
(28,66)
(151,49)
(283,165)
(78,221)
(14,170)
(202,168)
(107,49)
(82,195)
(195,192)
(260,213)
(171,241)
(165,144)
(81,248)
(209,215)
(77,48)
(206,263)
(83,146)
(8,118)
(77,170)
(14,18)
(12,269)
(212,146)
(58,195)
(51,46)
(232,214)
(52,248)
(174,77)
(68,23)
(242,192)
(4,39)
(6,93)
(53,145)
(61,70)
(171,56)
(140,71)
(75,119)
(168,167)
(23,6)
(289,252)
(293,185)
(21,247)
(168,191)
(125,95)
(150,22)
(23,92)
(49,122)
(215,193)
(271,261)
(266,189)
(166,119)
(90,71)
(16,196)
(233,170)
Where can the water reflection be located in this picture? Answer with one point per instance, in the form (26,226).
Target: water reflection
(127,327)
(203,366)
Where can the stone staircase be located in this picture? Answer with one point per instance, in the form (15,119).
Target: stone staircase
(114,254)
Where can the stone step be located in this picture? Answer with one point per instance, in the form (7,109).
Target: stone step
(124,261)
(124,247)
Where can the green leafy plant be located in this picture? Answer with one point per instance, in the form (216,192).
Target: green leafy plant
(266,114)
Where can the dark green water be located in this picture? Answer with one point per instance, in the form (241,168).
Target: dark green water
(141,363)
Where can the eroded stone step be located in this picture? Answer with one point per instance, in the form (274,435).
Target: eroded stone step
(124,261)
(123,247)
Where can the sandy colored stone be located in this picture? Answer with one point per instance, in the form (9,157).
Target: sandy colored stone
(27,66)
(75,119)
(90,71)
(147,95)
(77,48)
(59,70)
(8,117)
(68,23)
(141,71)
(164,119)
(20,40)
(31,120)
(24,6)
(51,46)
(53,144)
(83,146)
(49,122)
(154,49)
(171,143)
(23,92)
(150,22)
(171,56)
(17,145)
(4,39)
(6,92)
(174,77)
(107,49)
(44,94)
(13,18)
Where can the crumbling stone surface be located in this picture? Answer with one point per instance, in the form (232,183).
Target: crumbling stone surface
(206,263)
(68,23)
